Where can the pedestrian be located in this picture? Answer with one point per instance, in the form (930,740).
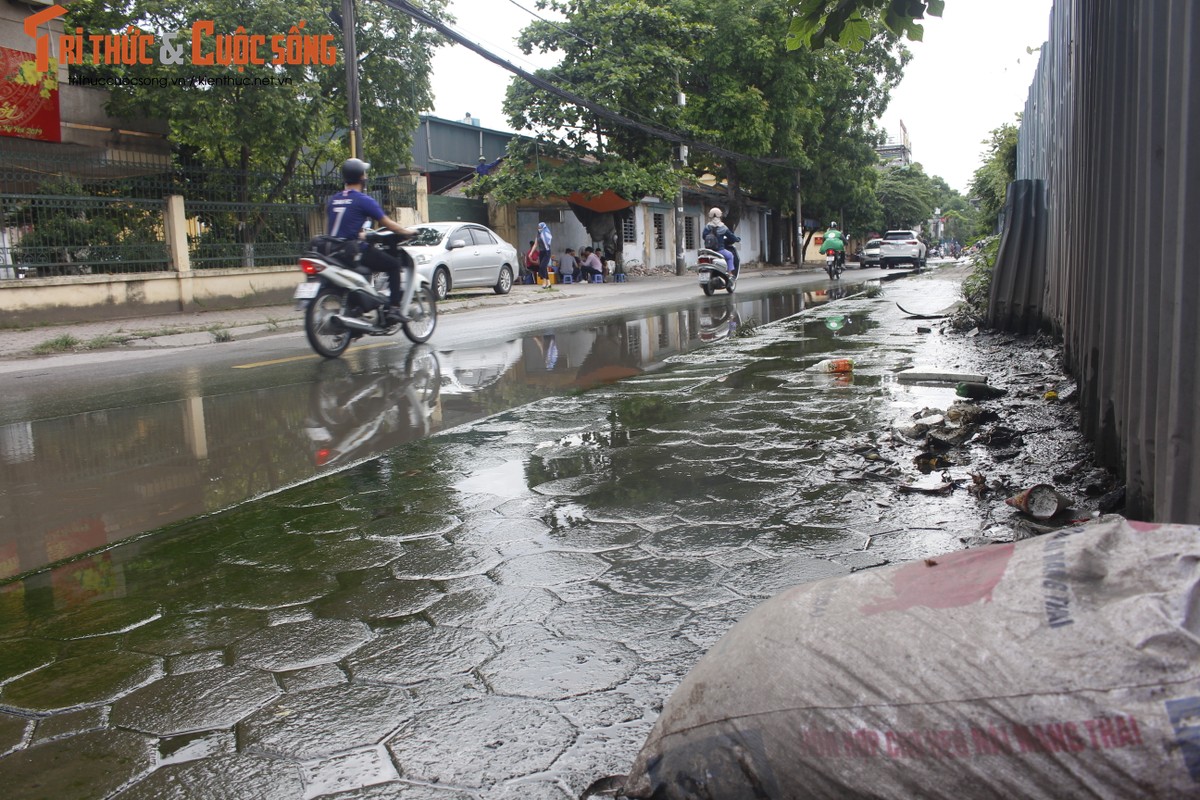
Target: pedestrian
(531,258)
(569,265)
(544,238)
(591,265)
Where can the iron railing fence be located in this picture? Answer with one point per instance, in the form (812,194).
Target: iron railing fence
(80,215)
(227,235)
(53,235)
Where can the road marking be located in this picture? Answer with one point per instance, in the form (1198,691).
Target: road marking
(302,358)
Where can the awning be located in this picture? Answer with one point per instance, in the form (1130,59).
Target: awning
(603,203)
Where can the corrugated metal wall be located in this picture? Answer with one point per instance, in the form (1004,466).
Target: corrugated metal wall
(1109,129)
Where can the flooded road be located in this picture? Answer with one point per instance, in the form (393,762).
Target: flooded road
(80,481)
(499,610)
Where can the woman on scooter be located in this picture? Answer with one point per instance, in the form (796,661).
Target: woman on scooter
(718,237)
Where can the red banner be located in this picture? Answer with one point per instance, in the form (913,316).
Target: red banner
(28,98)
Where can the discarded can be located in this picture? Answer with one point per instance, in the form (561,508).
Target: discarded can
(1041,501)
(1050,396)
(978,391)
(833,365)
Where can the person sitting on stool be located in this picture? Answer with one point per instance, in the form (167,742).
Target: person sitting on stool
(591,265)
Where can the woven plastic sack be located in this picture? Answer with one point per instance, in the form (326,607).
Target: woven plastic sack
(1059,667)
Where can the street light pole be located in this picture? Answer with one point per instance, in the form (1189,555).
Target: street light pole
(350,48)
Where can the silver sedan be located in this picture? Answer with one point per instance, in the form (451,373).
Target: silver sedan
(462,255)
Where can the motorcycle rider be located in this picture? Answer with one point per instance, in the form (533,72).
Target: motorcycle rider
(833,241)
(348,212)
(718,237)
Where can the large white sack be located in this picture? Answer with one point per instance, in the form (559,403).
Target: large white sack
(1064,666)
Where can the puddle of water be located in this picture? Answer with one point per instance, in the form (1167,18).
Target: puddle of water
(506,604)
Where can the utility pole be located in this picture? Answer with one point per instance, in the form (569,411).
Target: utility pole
(799,226)
(350,48)
(680,261)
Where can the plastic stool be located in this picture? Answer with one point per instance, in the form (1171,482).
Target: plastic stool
(597,279)
(619,277)
(568,278)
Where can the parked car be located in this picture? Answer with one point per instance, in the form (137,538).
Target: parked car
(902,247)
(462,255)
(870,254)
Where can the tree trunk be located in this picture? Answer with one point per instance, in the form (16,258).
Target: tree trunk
(604,228)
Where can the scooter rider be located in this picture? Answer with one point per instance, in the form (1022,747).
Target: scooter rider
(833,241)
(349,210)
(718,237)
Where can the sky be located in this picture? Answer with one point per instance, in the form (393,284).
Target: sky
(969,75)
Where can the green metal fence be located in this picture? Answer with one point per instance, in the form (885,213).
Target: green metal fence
(46,235)
(91,215)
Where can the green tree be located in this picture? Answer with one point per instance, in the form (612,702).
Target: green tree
(906,196)
(812,111)
(300,116)
(802,115)
(848,22)
(989,185)
(626,56)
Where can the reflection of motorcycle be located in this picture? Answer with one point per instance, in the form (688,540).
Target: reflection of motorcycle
(718,322)
(714,272)
(343,302)
(354,416)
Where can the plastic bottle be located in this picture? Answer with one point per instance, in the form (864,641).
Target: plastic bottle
(833,365)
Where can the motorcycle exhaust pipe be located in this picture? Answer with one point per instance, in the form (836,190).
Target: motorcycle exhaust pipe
(353,323)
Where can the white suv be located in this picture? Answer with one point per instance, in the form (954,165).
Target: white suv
(902,247)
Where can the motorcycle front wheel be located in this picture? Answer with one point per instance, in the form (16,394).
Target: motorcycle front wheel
(328,338)
(423,311)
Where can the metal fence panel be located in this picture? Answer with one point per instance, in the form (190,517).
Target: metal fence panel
(1107,127)
(52,235)
(81,215)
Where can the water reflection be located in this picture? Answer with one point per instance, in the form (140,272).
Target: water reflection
(76,484)
(354,416)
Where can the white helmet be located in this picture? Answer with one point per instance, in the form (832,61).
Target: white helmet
(714,213)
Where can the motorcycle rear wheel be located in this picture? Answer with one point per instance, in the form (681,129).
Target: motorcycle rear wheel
(327,338)
(423,310)
(708,288)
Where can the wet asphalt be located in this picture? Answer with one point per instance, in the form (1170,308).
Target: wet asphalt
(499,611)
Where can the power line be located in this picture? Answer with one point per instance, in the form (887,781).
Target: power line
(424,17)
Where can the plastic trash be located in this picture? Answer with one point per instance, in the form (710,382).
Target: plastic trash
(978,391)
(1065,665)
(833,365)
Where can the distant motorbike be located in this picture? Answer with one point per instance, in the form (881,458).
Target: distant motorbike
(354,416)
(714,272)
(835,263)
(343,300)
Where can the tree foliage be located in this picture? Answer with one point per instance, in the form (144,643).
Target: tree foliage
(989,184)
(300,116)
(805,115)
(848,22)
(906,196)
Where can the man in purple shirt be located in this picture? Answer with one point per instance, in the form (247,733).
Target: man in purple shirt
(349,211)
